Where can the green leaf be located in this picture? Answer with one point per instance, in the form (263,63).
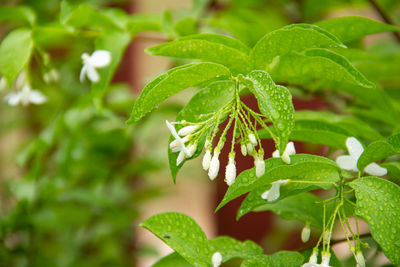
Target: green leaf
(316,68)
(352,28)
(207,47)
(304,207)
(206,101)
(231,248)
(172,260)
(393,168)
(302,166)
(378,150)
(316,175)
(378,203)
(15,52)
(296,37)
(279,259)
(274,101)
(186,26)
(116,43)
(182,234)
(23,13)
(172,82)
(143,22)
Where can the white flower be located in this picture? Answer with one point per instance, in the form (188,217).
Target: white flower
(289,150)
(243,149)
(252,139)
(99,59)
(312,262)
(326,257)
(249,147)
(360,259)
(230,172)
(188,130)
(273,193)
(349,162)
(25,96)
(214,166)
(180,144)
(305,233)
(260,165)
(206,160)
(216,259)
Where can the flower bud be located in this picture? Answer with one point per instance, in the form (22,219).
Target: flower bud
(181,157)
(326,257)
(206,160)
(260,165)
(360,259)
(192,149)
(176,143)
(188,130)
(230,172)
(243,149)
(305,233)
(214,166)
(249,147)
(216,259)
(252,139)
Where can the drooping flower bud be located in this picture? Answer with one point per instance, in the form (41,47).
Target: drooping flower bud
(214,165)
(274,193)
(188,130)
(192,149)
(360,259)
(305,233)
(289,150)
(216,259)
(206,160)
(260,165)
(249,147)
(181,157)
(230,172)
(252,138)
(177,143)
(243,149)
(326,257)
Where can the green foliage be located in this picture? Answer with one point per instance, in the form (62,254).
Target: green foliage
(15,52)
(23,13)
(231,248)
(281,259)
(378,203)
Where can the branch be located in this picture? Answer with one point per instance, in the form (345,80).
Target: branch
(385,17)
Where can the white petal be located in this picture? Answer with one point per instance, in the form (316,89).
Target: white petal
(214,166)
(260,167)
(176,149)
(290,149)
(276,154)
(206,160)
(83,73)
(92,74)
(36,97)
(355,147)
(216,259)
(100,58)
(347,163)
(286,158)
(265,195)
(188,130)
(181,157)
(274,192)
(13,99)
(375,170)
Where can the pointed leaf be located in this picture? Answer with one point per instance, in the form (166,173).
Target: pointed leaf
(116,43)
(172,260)
(274,101)
(15,52)
(207,47)
(172,82)
(206,101)
(378,150)
(182,234)
(378,203)
(279,259)
(296,37)
(301,167)
(352,28)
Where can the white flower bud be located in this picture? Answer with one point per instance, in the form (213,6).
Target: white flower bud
(206,160)
(216,259)
(289,150)
(214,166)
(326,257)
(188,130)
(192,149)
(243,149)
(260,166)
(305,233)
(360,259)
(176,143)
(276,154)
(249,147)
(230,172)
(181,157)
(252,139)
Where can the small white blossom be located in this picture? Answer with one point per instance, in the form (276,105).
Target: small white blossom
(349,162)
(230,172)
(192,149)
(179,143)
(188,130)
(243,149)
(99,59)
(259,165)
(25,96)
(305,233)
(206,160)
(182,156)
(312,262)
(360,259)
(216,259)
(214,166)
(252,139)
(274,193)
(289,150)
(326,257)
(249,147)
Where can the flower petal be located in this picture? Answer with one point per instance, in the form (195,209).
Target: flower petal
(13,99)
(375,170)
(36,97)
(355,147)
(92,74)
(290,149)
(276,154)
(100,58)
(347,163)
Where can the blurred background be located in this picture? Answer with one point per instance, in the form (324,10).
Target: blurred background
(75,183)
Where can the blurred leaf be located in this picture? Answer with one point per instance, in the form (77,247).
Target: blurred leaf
(15,52)
(208,47)
(182,234)
(393,168)
(351,28)
(281,259)
(172,82)
(172,260)
(143,22)
(378,203)
(186,26)
(23,13)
